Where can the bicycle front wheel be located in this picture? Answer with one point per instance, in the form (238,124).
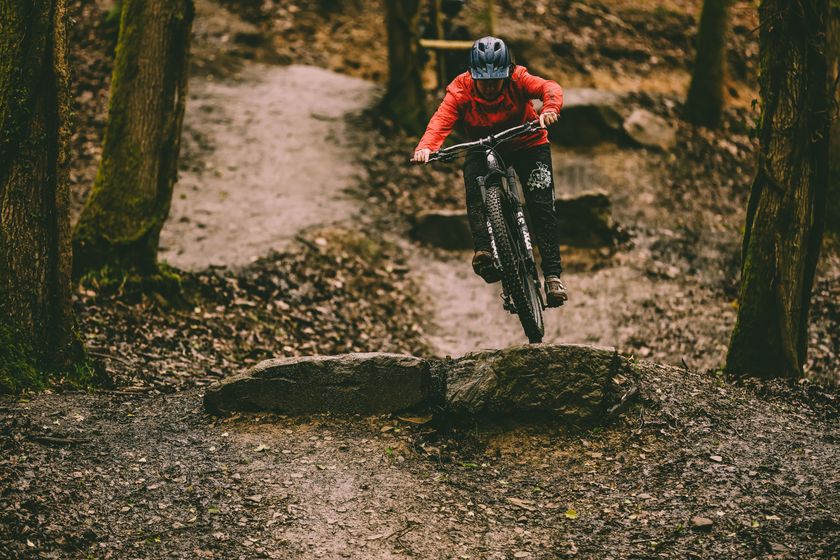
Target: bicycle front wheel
(516,275)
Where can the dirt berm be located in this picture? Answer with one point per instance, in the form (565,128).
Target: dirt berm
(575,384)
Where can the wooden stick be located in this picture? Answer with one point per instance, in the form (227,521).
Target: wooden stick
(444,45)
(51,440)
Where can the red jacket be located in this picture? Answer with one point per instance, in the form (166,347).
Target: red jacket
(477,117)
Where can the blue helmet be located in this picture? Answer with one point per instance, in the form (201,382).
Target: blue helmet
(490,59)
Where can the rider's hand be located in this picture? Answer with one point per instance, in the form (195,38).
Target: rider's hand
(422,156)
(548,118)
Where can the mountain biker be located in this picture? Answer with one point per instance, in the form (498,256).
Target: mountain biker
(495,94)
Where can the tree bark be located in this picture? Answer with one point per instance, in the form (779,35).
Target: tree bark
(404,99)
(833,210)
(119,228)
(36,321)
(704,104)
(785,215)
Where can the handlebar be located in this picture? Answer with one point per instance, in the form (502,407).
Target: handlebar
(448,154)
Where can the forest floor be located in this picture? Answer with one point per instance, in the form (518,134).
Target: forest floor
(141,471)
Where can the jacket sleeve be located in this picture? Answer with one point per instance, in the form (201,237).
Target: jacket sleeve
(441,123)
(549,91)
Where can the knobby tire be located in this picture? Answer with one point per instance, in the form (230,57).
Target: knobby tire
(515,276)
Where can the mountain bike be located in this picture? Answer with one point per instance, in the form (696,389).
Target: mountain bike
(510,240)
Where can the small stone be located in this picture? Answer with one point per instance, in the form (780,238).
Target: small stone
(716,458)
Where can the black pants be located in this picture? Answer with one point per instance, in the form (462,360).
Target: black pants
(533,166)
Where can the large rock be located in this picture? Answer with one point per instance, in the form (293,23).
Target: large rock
(448,229)
(574,384)
(585,220)
(571,383)
(650,130)
(589,117)
(369,383)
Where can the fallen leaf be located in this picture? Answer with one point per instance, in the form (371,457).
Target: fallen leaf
(416,419)
(524,504)
(699,522)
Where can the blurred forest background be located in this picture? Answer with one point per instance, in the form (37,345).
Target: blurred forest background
(669,294)
(193,187)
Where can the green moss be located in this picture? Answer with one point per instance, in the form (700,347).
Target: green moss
(365,247)
(18,371)
(128,281)
(85,375)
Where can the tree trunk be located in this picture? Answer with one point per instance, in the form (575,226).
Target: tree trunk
(833,216)
(119,228)
(785,214)
(36,321)
(405,99)
(704,104)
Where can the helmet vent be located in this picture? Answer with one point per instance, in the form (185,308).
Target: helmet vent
(490,59)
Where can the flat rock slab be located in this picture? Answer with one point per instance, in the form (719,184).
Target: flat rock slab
(571,383)
(585,220)
(448,229)
(368,383)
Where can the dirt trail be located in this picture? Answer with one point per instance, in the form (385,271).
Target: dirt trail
(265,158)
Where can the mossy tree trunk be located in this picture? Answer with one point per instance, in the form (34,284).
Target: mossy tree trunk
(704,104)
(119,228)
(405,98)
(36,322)
(785,214)
(833,216)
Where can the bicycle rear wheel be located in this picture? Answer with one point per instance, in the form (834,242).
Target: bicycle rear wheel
(516,275)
